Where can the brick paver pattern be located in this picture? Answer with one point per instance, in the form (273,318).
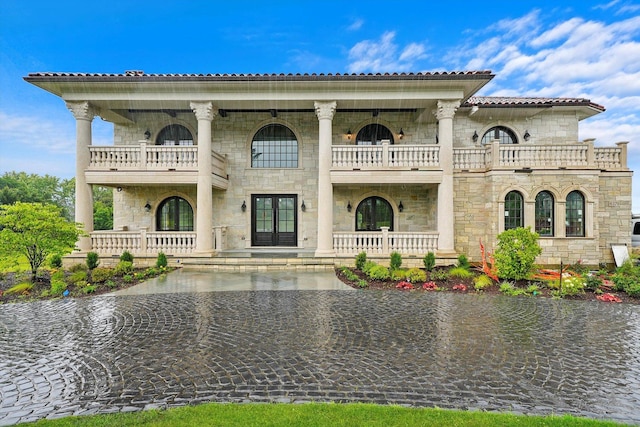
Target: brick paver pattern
(526,355)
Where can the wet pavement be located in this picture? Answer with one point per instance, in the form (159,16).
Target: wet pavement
(119,353)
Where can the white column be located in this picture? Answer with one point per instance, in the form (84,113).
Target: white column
(84,114)
(205,113)
(325,112)
(446,219)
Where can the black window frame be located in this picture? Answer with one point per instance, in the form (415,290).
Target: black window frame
(513,203)
(503,133)
(574,215)
(176,132)
(545,214)
(272,144)
(372,225)
(177,216)
(374,134)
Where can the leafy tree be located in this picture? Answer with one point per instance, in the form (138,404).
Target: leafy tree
(36,230)
(516,253)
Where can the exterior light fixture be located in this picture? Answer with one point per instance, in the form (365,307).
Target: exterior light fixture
(475,136)
(349,206)
(400,206)
(119,189)
(401,134)
(303,206)
(244,206)
(349,134)
(147,134)
(527,135)
(147,207)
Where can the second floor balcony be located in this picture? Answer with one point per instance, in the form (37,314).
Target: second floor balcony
(151,164)
(422,163)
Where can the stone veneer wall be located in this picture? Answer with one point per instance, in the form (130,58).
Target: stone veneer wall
(477,210)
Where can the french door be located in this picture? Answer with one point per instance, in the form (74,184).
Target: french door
(274,220)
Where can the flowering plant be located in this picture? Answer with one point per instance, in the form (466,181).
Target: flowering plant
(460,287)
(430,286)
(608,298)
(404,285)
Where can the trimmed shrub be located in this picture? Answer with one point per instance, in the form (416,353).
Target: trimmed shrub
(378,272)
(368,266)
(161,262)
(463,261)
(77,267)
(126,256)
(460,273)
(55,261)
(416,275)
(399,274)
(395,261)
(123,267)
(361,259)
(92,260)
(516,253)
(101,274)
(77,277)
(482,282)
(429,261)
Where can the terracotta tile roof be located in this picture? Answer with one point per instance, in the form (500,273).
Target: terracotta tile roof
(274,76)
(504,101)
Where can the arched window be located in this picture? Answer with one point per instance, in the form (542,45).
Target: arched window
(513,210)
(575,214)
(174,135)
(373,213)
(374,134)
(505,135)
(274,146)
(174,214)
(544,213)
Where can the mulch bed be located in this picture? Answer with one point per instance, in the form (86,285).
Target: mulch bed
(449,284)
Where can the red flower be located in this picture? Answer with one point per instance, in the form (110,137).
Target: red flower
(608,298)
(460,287)
(404,285)
(430,286)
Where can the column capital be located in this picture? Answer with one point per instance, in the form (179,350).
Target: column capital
(446,109)
(81,110)
(204,110)
(325,110)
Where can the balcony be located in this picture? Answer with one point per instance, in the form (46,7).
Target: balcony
(567,156)
(370,164)
(151,164)
(384,242)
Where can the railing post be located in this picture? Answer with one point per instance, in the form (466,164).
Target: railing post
(143,241)
(623,153)
(385,240)
(385,154)
(495,154)
(591,157)
(143,154)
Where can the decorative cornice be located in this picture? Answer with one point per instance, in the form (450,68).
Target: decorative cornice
(81,110)
(446,109)
(204,110)
(325,110)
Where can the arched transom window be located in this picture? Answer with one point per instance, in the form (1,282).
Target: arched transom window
(544,213)
(505,135)
(575,214)
(374,134)
(174,214)
(373,213)
(513,210)
(174,135)
(274,146)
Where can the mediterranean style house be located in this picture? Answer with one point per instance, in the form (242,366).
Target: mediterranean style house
(207,165)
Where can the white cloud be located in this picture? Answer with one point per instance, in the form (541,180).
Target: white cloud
(382,55)
(355,25)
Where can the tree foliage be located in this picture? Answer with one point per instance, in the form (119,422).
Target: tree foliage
(516,253)
(33,188)
(36,230)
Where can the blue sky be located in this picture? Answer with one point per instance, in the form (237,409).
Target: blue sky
(560,48)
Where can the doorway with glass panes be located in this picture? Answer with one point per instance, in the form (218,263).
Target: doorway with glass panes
(274,220)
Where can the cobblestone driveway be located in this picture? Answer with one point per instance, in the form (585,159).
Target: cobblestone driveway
(126,353)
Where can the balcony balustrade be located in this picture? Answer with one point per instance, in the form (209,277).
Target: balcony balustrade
(384,242)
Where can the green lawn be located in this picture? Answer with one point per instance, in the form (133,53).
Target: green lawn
(316,414)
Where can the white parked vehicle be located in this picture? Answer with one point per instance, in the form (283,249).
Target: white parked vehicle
(635,230)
